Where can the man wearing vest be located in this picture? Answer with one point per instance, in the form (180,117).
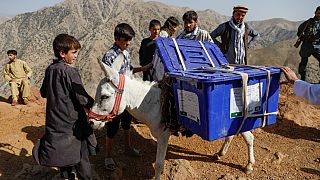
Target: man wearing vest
(309,34)
(235,36)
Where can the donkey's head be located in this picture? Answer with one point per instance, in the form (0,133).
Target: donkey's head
(109,100)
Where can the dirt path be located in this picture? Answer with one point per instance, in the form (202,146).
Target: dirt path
(287,150)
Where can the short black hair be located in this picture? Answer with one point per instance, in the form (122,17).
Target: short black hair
(124,30)
(190,15)
(318,8)
(153,23)
(12,51)
(64,42)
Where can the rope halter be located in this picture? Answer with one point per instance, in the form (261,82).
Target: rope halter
(115,109)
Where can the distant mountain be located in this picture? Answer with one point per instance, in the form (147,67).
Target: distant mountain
(275,30)
(4,18)
(93,22)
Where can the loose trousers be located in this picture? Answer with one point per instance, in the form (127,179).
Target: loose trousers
(20,86)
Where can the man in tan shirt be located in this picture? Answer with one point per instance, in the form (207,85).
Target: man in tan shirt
(18,73)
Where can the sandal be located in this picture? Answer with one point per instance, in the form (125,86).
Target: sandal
(109,164)
(133,152)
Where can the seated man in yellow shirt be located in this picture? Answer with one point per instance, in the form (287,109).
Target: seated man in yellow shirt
(18,73)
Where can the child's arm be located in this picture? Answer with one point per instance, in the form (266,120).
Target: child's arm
(141,53)
(43,89)
(143,68)
(108,58)
(78,90)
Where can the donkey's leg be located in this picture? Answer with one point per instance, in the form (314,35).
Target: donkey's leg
(162,145)
(248,137)
(224,148)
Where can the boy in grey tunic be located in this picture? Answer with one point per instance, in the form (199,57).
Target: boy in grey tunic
(67,132)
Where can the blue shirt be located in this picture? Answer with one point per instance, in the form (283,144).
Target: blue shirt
(113,53)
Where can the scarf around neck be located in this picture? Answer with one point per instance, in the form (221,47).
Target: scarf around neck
(239,31)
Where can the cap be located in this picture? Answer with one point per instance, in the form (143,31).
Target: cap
(240,8)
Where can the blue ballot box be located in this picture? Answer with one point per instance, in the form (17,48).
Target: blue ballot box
(214,99)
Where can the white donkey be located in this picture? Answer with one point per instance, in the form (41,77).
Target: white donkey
(142,100)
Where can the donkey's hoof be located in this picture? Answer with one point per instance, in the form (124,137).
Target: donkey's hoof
(216,157)
(249,168)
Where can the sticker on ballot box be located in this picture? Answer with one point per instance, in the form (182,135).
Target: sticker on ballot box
(189,105)
(254,100)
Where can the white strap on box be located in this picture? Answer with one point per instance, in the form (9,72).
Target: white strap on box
(265,114)
(205,50)
(179,54)
(244,77)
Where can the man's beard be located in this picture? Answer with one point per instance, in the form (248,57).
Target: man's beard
(191,30)
(236,22)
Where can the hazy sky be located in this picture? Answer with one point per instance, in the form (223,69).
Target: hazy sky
(294,10)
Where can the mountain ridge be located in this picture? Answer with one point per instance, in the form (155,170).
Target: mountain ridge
(92,22)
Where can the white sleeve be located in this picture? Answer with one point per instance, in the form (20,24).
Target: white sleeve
(163,34)
(311,92)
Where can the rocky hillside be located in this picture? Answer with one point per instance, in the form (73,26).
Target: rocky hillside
(93,21)
(283,53)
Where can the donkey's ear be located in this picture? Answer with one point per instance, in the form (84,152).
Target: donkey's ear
(118,62)
(108,71)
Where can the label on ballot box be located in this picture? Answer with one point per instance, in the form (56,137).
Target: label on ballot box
(189,105)
(254,96)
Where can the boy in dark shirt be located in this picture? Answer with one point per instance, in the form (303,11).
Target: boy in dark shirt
(147,48)
(67,133)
